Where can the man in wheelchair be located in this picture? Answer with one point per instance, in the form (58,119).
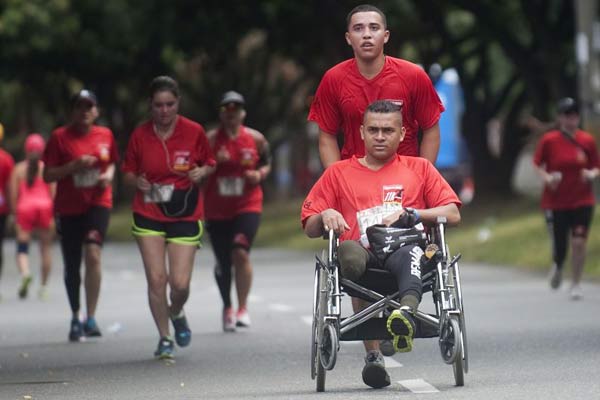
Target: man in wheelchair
(381,191)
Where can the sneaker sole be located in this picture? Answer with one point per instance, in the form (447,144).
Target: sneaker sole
(164,356)
(401,330)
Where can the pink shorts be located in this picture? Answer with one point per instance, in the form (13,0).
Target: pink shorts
(35,217)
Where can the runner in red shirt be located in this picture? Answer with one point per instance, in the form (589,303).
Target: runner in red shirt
(31,202)
(80,157)
(7,164)
(347,89)
(381,187)
(167,160)
(234,201)
(567,161)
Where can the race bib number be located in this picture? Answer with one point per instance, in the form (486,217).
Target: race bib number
(373,216)
(230,186)
(86,178)
(159,193)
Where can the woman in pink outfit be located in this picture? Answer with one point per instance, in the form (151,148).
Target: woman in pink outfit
(32,206)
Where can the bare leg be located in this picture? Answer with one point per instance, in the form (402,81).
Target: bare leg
(152,249)
(46,253)
(23,258)
(358,305)
(578,249)
(243,275)
(181,263)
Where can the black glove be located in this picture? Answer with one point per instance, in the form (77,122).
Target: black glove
(408,219)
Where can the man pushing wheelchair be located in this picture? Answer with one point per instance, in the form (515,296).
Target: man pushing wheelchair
(378,204)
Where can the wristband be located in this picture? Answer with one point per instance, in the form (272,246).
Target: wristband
(413,212)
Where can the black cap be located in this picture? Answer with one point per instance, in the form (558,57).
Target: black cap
(567,105)
(232,97)
(84,95)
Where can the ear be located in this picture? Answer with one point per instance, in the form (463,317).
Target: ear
(347,36)
(386,36)
(402,133)
(243,114)
(362,129)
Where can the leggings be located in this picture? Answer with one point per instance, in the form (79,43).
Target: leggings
(560,222)
(75,231)
(2,229)
(404,264)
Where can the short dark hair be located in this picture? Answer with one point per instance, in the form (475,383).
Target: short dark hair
(164,83)
(384,107)
(365,8)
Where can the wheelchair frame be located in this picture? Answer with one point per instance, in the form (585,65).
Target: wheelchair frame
(328,328)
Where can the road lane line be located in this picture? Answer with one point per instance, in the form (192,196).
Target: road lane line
(391,363)
(418,386)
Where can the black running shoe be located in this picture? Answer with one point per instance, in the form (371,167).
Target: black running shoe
(374,373)
(90,328)
(401,325)
(76,331)
(183,333)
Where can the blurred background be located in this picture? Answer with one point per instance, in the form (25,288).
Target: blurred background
(509,60)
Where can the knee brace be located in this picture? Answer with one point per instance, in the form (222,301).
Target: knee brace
(22,247)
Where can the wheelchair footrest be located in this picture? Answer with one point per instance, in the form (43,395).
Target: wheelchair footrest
(376,329)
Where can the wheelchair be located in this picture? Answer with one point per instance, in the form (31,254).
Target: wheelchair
(441,278)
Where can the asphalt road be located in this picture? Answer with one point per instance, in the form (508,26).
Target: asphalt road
(525,341)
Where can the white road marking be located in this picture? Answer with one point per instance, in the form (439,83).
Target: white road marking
(418,386)
(391,363)
(255,299)
(280,307)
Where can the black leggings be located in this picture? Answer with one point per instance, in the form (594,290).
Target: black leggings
(225,235)
(75,231)
(404,264)
(2,229)
(560,222)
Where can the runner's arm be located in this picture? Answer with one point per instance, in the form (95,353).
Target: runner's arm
(430,143)
(329,150)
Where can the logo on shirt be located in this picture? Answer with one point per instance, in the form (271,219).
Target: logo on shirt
(104,152)
(246,157)
(181,161)
(393,194)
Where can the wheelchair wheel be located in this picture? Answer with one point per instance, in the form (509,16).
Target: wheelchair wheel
(461,318)
(329,346)
(319,311)
(450,340)
(458,365)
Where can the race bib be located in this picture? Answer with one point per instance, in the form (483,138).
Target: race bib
(230,186)
(159,193)
(86,178)
(373,216)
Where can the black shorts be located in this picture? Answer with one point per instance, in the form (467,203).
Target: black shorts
(91,225)
(578,220)
(236,232)
(180,232)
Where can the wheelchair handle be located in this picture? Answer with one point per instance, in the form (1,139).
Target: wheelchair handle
(441,220)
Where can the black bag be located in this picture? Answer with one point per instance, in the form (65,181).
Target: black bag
(384,240)
(183,202)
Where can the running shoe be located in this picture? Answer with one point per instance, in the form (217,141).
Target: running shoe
(555,277)
(374,373)
(183,333)
(228,320)
(401,325)
(576,293)
(24,288)
(76,331)
(243,318)
(90,328)
(165,349)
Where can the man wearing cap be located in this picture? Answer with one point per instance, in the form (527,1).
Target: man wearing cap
(567,162)
(7,164)
(233,202)
(81,158)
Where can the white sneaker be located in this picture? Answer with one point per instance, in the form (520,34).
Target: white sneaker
(243,318)
(228,320)
(576,293)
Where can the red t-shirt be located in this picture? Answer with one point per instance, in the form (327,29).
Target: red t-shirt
(344,94)
(7,163)
(76,193)
(167,163)
(556,153)
(227,193)
(348,187)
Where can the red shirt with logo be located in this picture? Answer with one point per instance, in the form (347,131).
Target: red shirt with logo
(557,153)
(349,187)
(167,162)
(77,192)
(227,193)
(7,163)
(344,94)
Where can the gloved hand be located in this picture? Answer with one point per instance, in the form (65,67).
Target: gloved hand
(407,219)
